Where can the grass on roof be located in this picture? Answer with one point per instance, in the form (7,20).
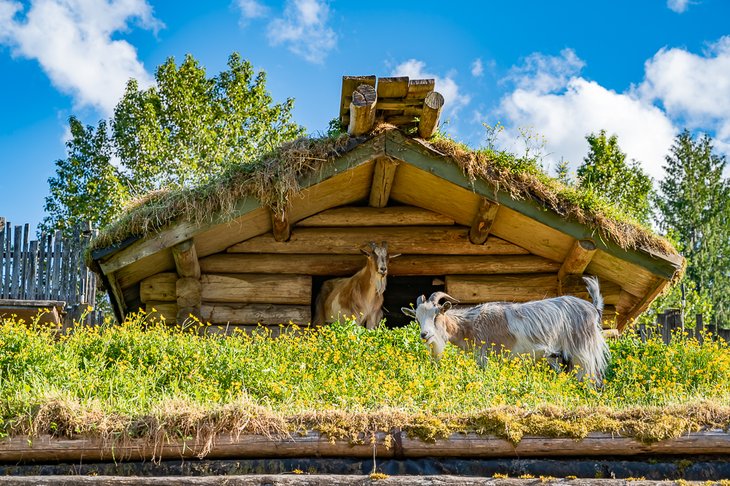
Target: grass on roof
(151,381)
(274,178)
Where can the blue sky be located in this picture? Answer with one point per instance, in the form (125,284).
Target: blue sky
(643,70)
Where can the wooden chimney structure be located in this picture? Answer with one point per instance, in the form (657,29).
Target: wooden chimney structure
(469,236)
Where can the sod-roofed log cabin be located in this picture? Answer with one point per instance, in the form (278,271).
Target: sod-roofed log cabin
(254,245)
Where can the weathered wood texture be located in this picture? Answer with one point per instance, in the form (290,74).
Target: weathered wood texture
(48,269)
(270,314)
(468,445)
(418,240)
(186,259)
(362,110)
(429,119)
(189,298)
(343,265)
(482,224)
(382,181)
(40,311)
(349,84)
(255,288)
(371,216)
(396,87)
(280,224)
(158,310)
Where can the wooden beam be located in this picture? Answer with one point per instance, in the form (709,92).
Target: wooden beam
(369,216)
(429,120)
(574,285)
(346,265)
(643,303)
(257,288)
(576,260)
(157,310)
(281,227)
(510,288)
(362,110)
(256,314)
(419,88)
(383,176)
(482,225)
(395,87)
(189,298)
(186,259)
(417,240)
(159,288)
(349,84)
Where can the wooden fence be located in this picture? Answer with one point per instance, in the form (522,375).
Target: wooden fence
(670,322)
(49,269)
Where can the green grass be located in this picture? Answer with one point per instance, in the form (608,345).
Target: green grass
(141,379)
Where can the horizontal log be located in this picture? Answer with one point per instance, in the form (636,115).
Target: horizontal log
(256,288)
(394,87)
(405,265)
(508,288)
(417,240)
(419,88)
(44,449)
(272,331)
(369,216)
(256,314)
(398,105)
(400,119)
(574,285)
(156,310)
(159,288)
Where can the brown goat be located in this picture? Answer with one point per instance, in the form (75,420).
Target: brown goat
(361,295)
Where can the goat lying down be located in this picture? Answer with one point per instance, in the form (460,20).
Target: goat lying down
(565,327)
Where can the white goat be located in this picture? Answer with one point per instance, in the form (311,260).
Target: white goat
(360,295)
(565,327)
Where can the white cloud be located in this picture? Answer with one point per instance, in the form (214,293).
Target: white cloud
(679,6)
(693,88)
(553,100)
(477,69)
(454,100)
(72,41)
(252,9)
(303,29)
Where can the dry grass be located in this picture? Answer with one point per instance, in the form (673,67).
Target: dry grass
(275,178)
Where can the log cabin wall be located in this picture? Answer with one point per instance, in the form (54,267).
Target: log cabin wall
(263,280)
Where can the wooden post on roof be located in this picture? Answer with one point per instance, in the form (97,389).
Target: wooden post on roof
(362,110)
(383,176)
(576,261)
(482,224)
(432,106)
(187,287)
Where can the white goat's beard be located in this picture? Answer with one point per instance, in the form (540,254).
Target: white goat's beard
(436,346)
(380,285)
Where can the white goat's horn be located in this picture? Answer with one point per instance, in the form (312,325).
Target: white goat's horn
(420,300)
(437,296)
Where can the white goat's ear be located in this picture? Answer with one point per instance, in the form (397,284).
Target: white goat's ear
(445,307)
(420,300)
(394,256)
(408,311)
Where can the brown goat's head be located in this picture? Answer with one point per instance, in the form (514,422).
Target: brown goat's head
(427,314)
(378,258)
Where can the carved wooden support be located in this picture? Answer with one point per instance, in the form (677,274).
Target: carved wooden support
(482,224)
(576,261)
(280,225)
(186,259)
(189,301)
(383,176)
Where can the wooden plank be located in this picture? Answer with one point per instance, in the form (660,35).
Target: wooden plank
(654,290)
(271,314)
(508,288)
(483,221)
(419,88)
(57,259)
(345,265)
(159,288)
(2,256)
(429,120)
(32,270)
(417,240)
(393,87)
(186,259)
(15,292)
(369,216)
(383,175)
(40,311)
(392,106)
(349,84)
(257,288)
(574,285)
(362,110)
(48,449)
(48,268)
(25,263)
(72,272)
(8,260)
(576,260)
(400,120)
(634,279)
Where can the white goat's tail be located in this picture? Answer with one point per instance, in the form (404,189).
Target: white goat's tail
(595,292)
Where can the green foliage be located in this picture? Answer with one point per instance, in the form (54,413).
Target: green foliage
(179,132)
(682,295)
(606,173)
(115,376)
(694,204)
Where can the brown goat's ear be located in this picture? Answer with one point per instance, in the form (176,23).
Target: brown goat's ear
(445,307)
(394,256)
(408,311)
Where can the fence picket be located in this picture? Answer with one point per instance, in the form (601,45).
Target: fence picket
(2,255)
(32,270)
(57,266)
(25,267)
(15,284)
(8,260)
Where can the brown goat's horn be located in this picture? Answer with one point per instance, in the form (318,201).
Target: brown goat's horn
(437,296)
